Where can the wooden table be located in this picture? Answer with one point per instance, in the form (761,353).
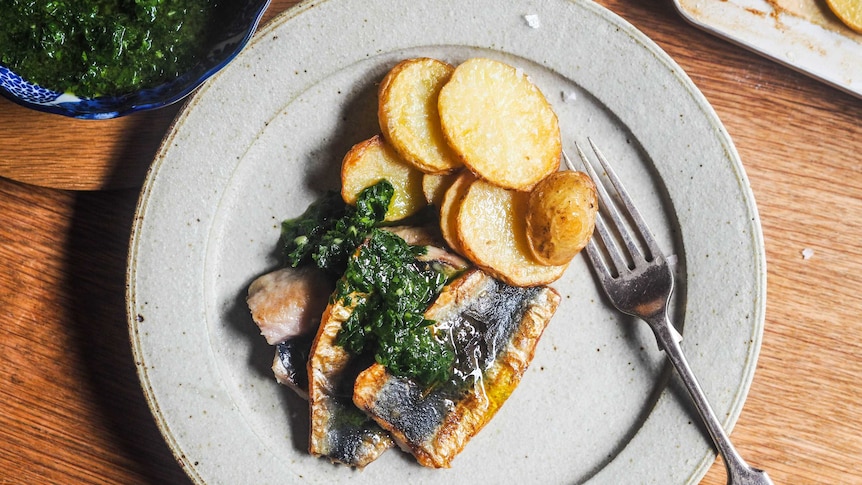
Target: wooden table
(72,410)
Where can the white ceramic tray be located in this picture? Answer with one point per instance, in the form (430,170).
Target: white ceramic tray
(802,34)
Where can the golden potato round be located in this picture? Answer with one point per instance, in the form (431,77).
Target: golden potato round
(449,206)
(434,186)
(500,124)
(408,116)
(373,160)
(492,233)
(561,216)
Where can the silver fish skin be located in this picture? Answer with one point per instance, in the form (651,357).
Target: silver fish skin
(339,430)
(494,328)
(290,364)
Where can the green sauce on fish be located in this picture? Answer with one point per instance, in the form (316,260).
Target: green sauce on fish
(391,290)
(388,288)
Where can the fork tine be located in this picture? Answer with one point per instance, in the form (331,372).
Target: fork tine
(618,263)
(656,257)
(601,228)
(610,242)
(612,249)
(611,207)
(632,211)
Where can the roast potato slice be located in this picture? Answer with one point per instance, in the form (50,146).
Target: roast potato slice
(449,207)
(408,116)
(434,186)
(500,124)
(373,160)
(492,232)
(561,216)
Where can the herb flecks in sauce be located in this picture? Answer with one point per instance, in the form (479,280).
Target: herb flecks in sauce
(390,290)
(387,287)
(103,47)
(330,231)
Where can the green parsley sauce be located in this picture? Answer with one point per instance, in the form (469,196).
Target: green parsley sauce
(104,47)
(383,282)
(390,289)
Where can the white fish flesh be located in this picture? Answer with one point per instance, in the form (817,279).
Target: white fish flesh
(288,302)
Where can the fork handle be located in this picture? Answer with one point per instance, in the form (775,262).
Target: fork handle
(738,471)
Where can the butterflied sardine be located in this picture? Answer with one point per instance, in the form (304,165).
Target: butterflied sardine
(494,328)
(339,430)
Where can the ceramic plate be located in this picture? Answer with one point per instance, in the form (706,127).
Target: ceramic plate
(265,137)
(802,34)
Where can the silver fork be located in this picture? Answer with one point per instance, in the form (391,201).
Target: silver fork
(640,285)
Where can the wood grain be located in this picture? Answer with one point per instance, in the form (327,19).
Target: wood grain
(72,411)
(67,153)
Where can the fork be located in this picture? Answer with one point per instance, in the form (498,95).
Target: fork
(640,284)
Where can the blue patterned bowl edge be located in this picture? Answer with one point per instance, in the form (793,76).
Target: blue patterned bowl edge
(20,91)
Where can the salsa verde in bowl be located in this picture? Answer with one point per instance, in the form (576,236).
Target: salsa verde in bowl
(99,59)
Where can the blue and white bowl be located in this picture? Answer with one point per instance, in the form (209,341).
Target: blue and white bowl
(234,38)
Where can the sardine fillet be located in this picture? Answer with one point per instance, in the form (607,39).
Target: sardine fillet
(435,424)
(290,364)
(339,431)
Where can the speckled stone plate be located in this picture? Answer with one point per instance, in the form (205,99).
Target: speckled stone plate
(265,137)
